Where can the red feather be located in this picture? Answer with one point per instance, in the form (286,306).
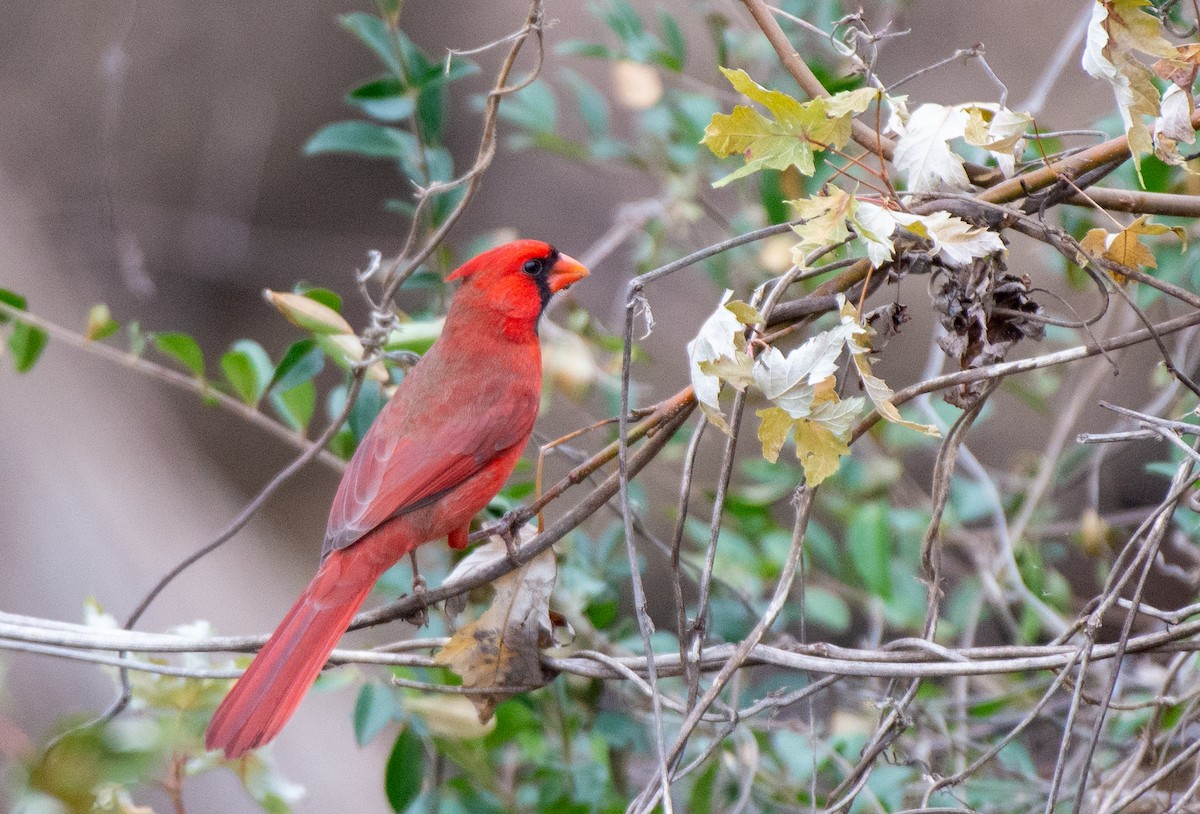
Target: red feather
(436,455)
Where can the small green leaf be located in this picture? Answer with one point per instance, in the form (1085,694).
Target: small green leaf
(330,299)
(405,768)
(26,343)
(100,323)
(826,608)
(676,53)
(374,33)
(383,98)
(295,406)
(533,109)
(374,709)
(593,107)
(183,349)
(870,550)
(582,48)
(13,299)
(248,370)
(362,138)
(301,362)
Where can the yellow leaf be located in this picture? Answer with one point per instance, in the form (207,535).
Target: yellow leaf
(451,716)
(824,223)
(782,106)
(736,372)
(305,312)
(773,431)
(819,450)
(747,314)
(789,137)
(1127,250)
(1126,247)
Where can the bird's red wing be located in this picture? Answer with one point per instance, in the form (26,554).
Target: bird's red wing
(392,474)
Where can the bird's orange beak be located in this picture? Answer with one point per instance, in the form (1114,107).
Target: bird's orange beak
(566,271)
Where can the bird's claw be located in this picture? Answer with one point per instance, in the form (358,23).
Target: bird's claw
(508,535)
(420,616)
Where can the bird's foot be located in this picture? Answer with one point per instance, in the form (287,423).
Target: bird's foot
(420,616)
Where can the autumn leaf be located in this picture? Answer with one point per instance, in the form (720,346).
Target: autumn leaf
(718,339)
(1125,247)
(819,450)
(501,649)
(747,314)
(875,226)
(1180,69)
(1174,124)
(773,429)
(876,388)
(788,138)
(1118,31)
(823,223)
(789,381)
(998,130)
(954,240)
(923,153)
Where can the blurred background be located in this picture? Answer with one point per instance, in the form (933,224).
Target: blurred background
(151,158)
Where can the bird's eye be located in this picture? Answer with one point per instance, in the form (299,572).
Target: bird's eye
(532,266)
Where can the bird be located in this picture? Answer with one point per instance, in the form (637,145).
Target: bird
(439,451)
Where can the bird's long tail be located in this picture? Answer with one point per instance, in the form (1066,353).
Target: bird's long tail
(265,697)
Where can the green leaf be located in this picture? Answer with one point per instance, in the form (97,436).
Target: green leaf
(13,299)
(100,323)
(374,33)
(533,108)
(374,709)
(330,299)
(383,98)
(295,406)
(362,138)
(593,107)
(582,48)
(405,768)
(301,362)
(826,609)
(248,370)
(183,349)
(676,50)
(870,550)
(26,343)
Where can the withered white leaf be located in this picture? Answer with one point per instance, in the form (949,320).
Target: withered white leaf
(500,649)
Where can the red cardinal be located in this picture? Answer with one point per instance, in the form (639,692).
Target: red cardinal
(440,450)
